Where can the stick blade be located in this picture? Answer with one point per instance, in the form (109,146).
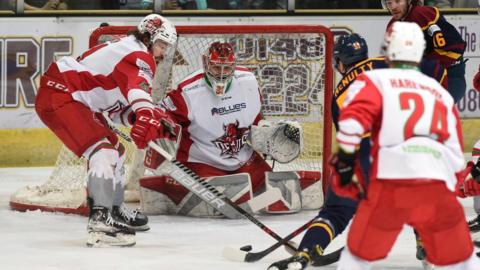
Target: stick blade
(234,254)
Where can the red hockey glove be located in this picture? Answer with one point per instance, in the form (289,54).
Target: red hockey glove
(343,182)
(149,125)
(476,80)
(464,187)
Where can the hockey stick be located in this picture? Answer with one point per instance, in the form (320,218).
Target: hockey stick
(246,256)
(203,189)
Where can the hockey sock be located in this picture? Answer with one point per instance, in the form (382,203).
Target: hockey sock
(319,233)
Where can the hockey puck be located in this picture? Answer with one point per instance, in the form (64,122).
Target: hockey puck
(246,248)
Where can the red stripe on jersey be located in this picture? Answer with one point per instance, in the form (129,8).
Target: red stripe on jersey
(350,134)
(191,80)
(90,51)
(85,81)
(347,143)
(185,144)
(257,119)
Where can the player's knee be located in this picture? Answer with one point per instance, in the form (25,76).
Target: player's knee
(103,160)
(449,246)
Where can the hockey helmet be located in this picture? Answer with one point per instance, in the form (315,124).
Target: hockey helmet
(404,41)
(219,65)
(350,49)
(159,28)
(410,2)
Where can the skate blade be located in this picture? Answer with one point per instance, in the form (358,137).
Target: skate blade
(101,239)
(142,228)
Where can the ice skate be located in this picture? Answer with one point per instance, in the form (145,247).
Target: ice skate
(134,219)
(474,227)
(421,255)
(105,231)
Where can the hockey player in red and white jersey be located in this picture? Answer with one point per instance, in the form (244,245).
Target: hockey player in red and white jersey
(417,160)
(474,224)
(72,96)
(218,109)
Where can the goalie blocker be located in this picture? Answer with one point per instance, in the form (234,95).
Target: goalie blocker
(283,192)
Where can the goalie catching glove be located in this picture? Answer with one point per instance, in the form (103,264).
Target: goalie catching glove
(283,141)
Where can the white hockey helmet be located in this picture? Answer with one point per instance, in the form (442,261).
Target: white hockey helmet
(404,41)
(219,64)
(410,2)
(159,28)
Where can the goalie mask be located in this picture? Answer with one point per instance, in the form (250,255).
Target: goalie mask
(159,28)
(219,65)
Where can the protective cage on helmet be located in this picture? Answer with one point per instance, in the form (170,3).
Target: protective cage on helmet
(159,28)
(219,65)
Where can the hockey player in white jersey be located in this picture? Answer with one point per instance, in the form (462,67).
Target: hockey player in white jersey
(218,109)
(417,160)
(72,96)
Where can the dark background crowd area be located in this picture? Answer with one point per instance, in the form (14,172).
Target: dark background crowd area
(215,4)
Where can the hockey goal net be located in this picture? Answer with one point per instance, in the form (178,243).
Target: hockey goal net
(293,65)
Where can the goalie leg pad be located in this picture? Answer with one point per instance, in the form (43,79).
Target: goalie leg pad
(289,185)
(163,195)
(312,191)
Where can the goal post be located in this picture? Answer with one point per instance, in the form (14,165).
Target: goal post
(293,66)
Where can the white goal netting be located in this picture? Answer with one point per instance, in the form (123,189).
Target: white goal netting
(294,70)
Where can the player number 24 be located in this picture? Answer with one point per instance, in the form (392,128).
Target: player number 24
(438,124)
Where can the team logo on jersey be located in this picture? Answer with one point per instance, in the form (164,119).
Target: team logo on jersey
(229,109)
(168,104)
(144,71)
(233,140)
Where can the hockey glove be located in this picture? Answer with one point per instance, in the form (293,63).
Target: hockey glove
(468,187)
(343,182)
(476,80)
(149,125)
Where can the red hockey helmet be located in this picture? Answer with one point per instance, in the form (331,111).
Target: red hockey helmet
(219,65)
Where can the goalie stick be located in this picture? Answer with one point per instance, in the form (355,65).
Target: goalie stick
(190,180)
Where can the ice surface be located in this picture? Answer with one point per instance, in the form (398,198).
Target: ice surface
(36,240)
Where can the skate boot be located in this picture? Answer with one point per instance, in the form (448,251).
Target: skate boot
(474,224)
(422,255)
(474,227)
(134,219)
(105,231)
(299,261)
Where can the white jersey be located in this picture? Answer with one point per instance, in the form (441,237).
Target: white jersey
(215,129)
(109,76)
(415,126)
